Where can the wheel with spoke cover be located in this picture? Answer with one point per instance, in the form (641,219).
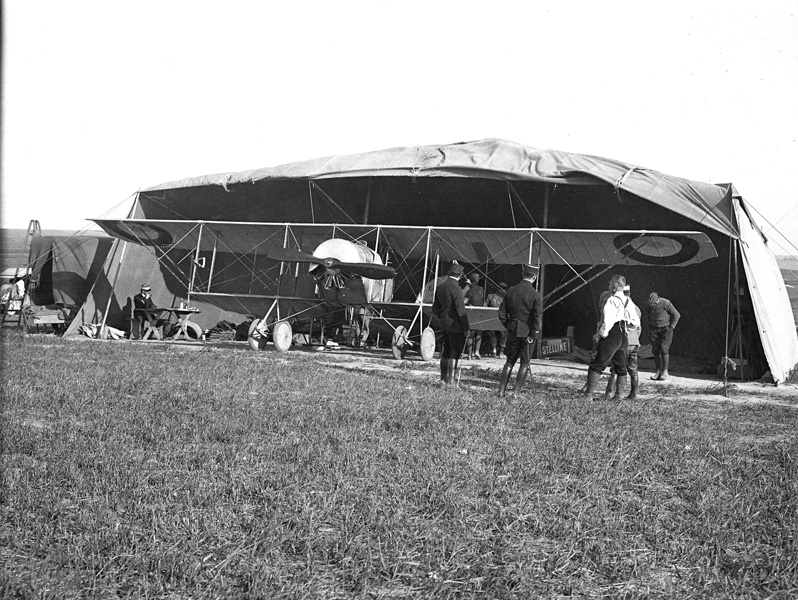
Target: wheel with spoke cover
(282,336)
(255,337)
(427,346)
(399,342)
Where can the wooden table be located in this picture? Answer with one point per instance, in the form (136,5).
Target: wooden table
(151,327)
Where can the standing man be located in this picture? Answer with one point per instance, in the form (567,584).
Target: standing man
(521,313)
(449,307)
(497,339)
(633,339)
(662,319)
(613,341)
(475,296)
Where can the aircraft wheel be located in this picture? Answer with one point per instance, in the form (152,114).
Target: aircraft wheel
(256,339)
(427,346)
(194,331)
(282,336)
(399,342)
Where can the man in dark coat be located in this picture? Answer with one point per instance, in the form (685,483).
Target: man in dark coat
(521,313)
(142,302)
(449,307)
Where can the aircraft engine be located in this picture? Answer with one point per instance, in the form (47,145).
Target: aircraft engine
(376,290)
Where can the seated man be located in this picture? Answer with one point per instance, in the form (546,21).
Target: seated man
(142,302)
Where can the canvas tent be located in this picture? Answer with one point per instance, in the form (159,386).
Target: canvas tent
(65,267)
(738,298)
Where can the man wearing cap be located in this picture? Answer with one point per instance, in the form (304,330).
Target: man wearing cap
(521,313)
(662,319)
(449,308)
(141,303)
(497,339)
(475,296)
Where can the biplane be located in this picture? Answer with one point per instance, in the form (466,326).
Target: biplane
(307,277)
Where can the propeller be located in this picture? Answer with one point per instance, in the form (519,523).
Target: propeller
(367,270)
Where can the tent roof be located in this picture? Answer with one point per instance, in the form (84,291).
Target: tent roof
(705,203)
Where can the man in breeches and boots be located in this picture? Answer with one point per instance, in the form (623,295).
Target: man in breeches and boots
(613,341)
(662,319)
(633,335)
(449,308)
(521,313)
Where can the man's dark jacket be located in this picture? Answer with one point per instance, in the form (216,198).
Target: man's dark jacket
(521,312)
(140,302)
(449,307)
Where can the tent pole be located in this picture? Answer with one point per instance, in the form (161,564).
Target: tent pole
(130,215)
(101,333)
(368,203)
(542,276)
(724,362)
(521,203)
(310,195)
(739,320)
(510,200)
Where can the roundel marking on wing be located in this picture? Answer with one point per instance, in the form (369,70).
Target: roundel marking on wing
(659,250)
(141,233)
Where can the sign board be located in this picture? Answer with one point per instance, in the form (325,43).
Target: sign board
(555,347)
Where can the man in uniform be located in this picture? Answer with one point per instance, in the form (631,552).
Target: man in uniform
(475,296)
(662,319)
(449,307)
(497,339)
(521,314)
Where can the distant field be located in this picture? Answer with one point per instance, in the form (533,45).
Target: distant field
(789,270)
(143,471)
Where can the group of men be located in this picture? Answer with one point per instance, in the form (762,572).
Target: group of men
(520,312)
(618,339)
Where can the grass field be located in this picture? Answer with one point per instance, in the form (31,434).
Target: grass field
(135,470)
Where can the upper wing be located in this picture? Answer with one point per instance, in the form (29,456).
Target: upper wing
(468,245)
(555,246)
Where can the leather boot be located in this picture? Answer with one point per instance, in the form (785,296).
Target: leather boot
(505,377)
(444,370)
(593,379)
(450,368)
(620,383)
(634,379)
(610,386)
(664,360)
(656,375)
(523,371)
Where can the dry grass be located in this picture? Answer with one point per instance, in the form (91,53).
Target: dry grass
(140,471)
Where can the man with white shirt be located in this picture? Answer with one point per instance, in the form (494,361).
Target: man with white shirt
(613,341)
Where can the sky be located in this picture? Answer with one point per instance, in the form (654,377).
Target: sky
(101,99)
